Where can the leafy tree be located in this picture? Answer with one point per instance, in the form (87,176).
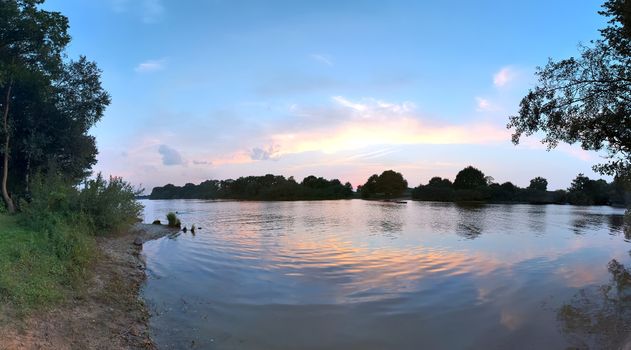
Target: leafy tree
(587,100)
(391,184)
(469,178)
(439,182)
(370,187)
(506,192)
(584,191)
(579,184)
(437,189)
(47,105)
(538,184)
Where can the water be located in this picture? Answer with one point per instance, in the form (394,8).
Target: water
(374,275)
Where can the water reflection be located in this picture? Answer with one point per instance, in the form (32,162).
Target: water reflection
(471,220)
(600,317)
(387,218)
(373,275)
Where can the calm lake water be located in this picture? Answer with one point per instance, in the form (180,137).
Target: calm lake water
(356,274)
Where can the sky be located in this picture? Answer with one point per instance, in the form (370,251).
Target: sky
(219,89)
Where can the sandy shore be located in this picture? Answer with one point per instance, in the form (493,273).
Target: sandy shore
(107,314)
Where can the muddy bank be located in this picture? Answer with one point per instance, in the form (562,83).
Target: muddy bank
(106,314)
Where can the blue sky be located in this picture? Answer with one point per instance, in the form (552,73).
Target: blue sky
(340,89)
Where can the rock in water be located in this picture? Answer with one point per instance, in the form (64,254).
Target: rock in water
(138,241)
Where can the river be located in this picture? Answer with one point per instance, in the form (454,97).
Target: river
(354,274)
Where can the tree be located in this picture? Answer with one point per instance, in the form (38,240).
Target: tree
(439,182)
(587,100)
(370,187)
(579,184)
(48,105)
(538,184)
(31,43)
(584,191)
(391,184)
(437,189)
(469,178)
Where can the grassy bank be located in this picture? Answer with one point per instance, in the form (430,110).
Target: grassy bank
(38,268)
(46,250)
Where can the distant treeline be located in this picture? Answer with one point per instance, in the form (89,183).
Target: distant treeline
(268,187)
(472,185)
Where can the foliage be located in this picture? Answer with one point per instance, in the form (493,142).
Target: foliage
(37,267)
(437,190)
(47,248)
(268,187)
(538,184)
(469,178)
(48,104)
(389,184)
(110,205)
(173,220)
(582,191)
(587,100)
(100,206)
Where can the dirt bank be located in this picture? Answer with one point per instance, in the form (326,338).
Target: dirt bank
(107,314)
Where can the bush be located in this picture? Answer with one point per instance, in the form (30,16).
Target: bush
(111,206)
(99,207)
(173,220)
(156,222)
(52,246)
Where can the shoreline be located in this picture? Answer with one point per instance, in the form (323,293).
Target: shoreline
(106,312)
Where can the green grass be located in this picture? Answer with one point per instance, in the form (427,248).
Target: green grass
(36,270)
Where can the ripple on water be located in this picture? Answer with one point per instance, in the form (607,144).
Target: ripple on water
(370,275)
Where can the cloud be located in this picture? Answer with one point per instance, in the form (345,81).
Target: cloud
(269,153)
(504,76)
(297,83)
(325,59)
(572,150)
(170,156)
(151,66)
(152,11)
(369,122)
(149,11)
(372,106)
(202,162)
(485,105)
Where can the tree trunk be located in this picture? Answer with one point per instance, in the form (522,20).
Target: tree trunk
(27,176)
(5,162)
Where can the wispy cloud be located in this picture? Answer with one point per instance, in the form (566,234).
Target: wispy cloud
(149,11)
(372,122)
(504,76)
(572,150)
(151,66)
(373,106)
(485,105)
(152,11)
(325,59)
